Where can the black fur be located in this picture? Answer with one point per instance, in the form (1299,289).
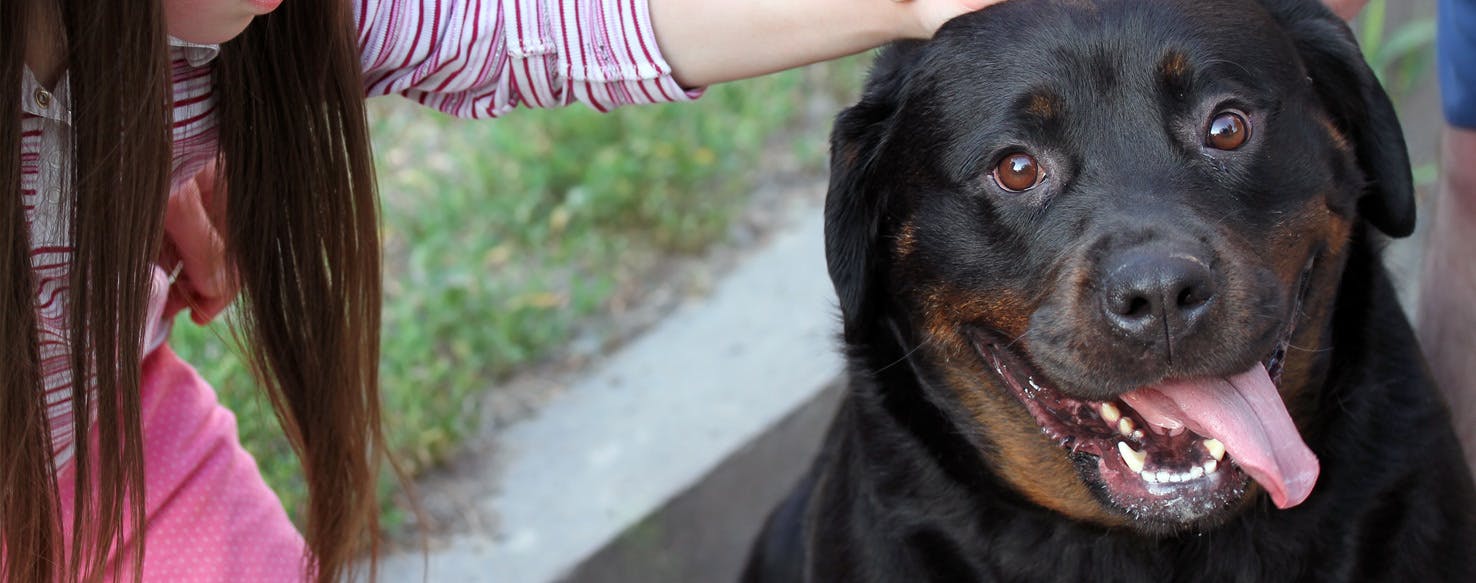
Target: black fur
(903,490)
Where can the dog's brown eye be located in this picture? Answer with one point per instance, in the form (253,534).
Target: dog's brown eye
(1018,173)
(1227,131)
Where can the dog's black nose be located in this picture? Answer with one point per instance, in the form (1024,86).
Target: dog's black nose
(1155,294)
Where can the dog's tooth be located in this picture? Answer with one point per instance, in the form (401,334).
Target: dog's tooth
(1110,413)
(1164,476)
(1132,457)
(1215,448)
(1210,466)
(1196,473)
(1125,426)
(1149,477)
(1138,434)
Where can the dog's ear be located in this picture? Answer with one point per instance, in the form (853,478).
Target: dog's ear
(1360,106)
(855,203)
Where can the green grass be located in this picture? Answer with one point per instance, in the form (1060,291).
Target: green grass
(502,235)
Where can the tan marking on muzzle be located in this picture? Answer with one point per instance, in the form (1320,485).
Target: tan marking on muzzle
(1033,465)
(946,308)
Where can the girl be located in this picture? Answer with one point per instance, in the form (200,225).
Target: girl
(115,460)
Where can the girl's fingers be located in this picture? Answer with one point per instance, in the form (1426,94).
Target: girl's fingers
(931,14)
(196,245)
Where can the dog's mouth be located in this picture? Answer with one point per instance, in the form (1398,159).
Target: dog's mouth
(1177,452)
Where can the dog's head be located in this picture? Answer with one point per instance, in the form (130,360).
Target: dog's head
(1106,236)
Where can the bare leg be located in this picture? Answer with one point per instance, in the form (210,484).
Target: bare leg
(1447,308)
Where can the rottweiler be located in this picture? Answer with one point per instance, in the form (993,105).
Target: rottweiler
(1114,310)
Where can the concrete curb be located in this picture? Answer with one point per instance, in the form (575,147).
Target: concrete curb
(653,420)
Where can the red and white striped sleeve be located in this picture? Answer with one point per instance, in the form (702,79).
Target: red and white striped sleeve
(481,58)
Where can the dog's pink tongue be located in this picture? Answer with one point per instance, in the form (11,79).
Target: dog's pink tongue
(1246,414)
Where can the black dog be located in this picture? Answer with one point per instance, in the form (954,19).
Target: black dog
(1114,312)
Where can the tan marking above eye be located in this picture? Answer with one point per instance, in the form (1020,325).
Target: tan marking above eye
(1228,131)
(1174,66)
(1043,106)
(1018,172)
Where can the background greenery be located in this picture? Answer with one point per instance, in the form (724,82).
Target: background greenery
(502,235)
(1402,54)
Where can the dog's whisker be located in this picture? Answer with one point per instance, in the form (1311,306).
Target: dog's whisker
(903,358)
(1011,343)
(1313,350)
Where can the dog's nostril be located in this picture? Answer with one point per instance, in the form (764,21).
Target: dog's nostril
(1193,296)
(1138,307)
(1134,307)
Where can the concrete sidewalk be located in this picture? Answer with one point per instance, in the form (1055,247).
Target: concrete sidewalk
(653,419)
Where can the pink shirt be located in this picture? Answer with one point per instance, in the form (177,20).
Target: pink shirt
(469,58)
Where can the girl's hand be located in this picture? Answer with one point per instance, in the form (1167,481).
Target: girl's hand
(711,42)
(1346,9)
(194,251)
(931,14)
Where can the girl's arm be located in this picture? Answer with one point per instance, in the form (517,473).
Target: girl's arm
(482,58)
(709,41)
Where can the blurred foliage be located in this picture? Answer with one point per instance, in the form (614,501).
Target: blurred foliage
(501,235)
(1402,56)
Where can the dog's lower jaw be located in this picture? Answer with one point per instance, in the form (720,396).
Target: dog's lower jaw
(1139,457)
(1153,480)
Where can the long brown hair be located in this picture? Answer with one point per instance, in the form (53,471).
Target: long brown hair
(302,231)
(28,521)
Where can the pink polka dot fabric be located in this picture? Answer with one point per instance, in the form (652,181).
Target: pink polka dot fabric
(209,516)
